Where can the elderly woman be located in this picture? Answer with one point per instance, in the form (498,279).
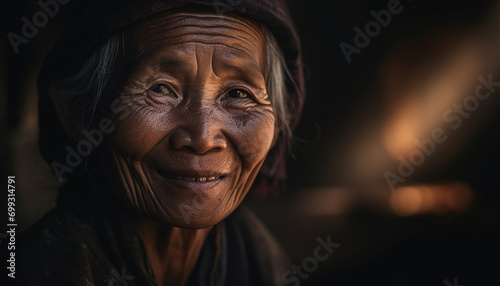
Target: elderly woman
(162,115)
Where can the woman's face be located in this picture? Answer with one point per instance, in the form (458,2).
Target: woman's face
(198,122)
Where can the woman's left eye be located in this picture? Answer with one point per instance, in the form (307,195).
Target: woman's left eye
(237,93)
(160,88)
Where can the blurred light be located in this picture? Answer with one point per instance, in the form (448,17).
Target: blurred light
(416,104)
(400,133)
(451,197)
(326,202)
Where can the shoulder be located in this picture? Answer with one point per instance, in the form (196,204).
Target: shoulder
(61,249)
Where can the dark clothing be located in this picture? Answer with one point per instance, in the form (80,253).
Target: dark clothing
(88,242)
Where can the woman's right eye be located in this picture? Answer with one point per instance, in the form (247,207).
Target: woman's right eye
(237,93)
(161,89)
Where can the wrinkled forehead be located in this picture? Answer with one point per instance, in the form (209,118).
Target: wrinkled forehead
(182,27)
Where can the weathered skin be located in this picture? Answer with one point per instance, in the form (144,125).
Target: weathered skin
(197,107)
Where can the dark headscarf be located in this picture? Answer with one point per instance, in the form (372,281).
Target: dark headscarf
(98,20)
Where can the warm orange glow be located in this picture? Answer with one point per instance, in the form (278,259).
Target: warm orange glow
(400,132)
(416,108)
(451,197)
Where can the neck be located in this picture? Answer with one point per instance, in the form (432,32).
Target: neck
(172,251)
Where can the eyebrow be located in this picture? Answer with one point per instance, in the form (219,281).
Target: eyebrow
(250,72)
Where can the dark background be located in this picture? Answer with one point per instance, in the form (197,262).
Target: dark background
(328,194)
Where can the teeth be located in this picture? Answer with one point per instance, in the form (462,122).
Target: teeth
(190,179)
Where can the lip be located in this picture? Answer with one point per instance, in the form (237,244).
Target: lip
(197,180)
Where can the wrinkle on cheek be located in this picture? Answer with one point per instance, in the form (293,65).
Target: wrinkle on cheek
(144,128)
(259,129)
(233,199)
(257,119)
(135,187)
(129,183)
(262,116)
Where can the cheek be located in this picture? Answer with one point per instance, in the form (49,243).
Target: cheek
(137,134)
(255,138)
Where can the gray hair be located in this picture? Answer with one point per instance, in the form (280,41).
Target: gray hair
(77,96)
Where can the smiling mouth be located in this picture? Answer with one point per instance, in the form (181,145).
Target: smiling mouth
(173,176)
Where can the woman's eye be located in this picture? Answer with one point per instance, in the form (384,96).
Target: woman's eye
(160,88)
(237,93)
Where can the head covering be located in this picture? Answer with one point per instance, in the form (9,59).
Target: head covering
(98,20)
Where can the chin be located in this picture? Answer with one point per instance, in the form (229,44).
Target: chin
(196,221)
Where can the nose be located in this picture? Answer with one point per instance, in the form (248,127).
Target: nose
(200,130)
